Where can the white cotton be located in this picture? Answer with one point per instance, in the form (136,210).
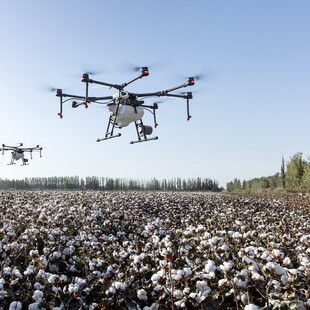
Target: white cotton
(286,261)
(38,286)
(14,245)
(180,303)
(17,273)
(79,281)
(293,272)
(222,282)
(257,277)
(202,286)
(210,266)
(34,306)
(15,305)
(112,290)
(37,296)
(3,294)
(119,286)
(73,288)
(29,270)
(276,285)
(142,295)
(304,261)
(276,267)
(178,294)
(161,273)
(7,270)
(52,279)
(34,253)
(226,266)
(251,307)
(188,271)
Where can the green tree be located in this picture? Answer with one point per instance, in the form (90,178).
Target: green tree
(294,172)
(306,176)
(283,172)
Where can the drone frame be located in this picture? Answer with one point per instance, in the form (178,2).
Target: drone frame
(134,100)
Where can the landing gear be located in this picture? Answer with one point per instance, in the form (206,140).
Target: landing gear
(142,132)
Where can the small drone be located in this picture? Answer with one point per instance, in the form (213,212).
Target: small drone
(126,107)
(17,152)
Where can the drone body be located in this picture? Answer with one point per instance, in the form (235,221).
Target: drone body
(18,152)
(124,114)
(125,107)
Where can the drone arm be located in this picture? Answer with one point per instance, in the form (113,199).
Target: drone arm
(94,99)
(116,86)
(144,71)
(189,82)
(62,95)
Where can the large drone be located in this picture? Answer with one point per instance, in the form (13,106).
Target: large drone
(17,152)
(125,107)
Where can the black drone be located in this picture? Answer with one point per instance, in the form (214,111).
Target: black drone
(125,107)
(17,152)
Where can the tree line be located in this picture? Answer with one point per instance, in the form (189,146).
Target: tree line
(294,176)
(104,183)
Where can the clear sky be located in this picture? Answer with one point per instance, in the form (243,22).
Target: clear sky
(252,108)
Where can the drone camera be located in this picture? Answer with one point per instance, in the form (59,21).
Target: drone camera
(58,92)
(155,106)
(145,71)
(190,81)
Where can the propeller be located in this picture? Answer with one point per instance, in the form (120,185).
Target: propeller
(51,89)
(98,70)
(207,74)
(160,64)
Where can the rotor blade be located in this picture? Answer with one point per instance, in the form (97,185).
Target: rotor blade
(160,64)
(95,70)
(204,75)
(51,89)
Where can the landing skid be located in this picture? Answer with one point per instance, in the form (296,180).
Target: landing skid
(109,137)
(144,140)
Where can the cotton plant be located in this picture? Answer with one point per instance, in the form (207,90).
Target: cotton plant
(153,249)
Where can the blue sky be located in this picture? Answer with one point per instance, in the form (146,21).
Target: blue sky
(252,109)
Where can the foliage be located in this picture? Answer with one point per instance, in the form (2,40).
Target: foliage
(104,183)
(293,177)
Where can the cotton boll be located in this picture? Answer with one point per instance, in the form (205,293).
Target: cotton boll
(37,296)
(257,277)
(142,294)
(180,303)
(178,294)
(17,273)
(251,307)
(38,286)
(34,306)
(202,286)
(73,288)
(111,290)
(286,261)
(53,278)
(222,283)
(15,305)
(119,286)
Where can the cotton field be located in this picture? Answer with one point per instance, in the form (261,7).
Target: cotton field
(153,250)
